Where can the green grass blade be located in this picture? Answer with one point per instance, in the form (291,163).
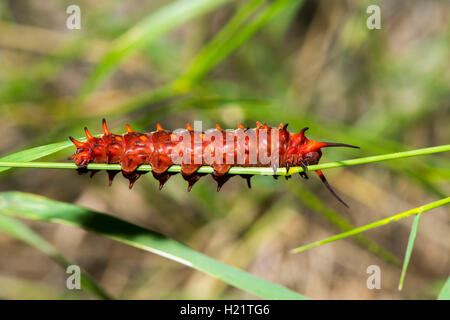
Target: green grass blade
(208,56)
(444,294)
(409,248)
(146,31)
(232,37)
(35,153)
(376,224)
(18,230)
(335,218)
(235,33)
(48,149)
(35,207)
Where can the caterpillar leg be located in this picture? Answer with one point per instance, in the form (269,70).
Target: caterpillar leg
(162,178)
(93,172)
(305,167)
(82,170)
(303,175)
(220,174)
(221,180)
(287,177)
(188,171)
(111,175)
(132,177)
(248,177)
(192,179)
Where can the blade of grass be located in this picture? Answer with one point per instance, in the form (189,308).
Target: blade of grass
(18,230)
(150,28)
(444,294)
(234,170)
(39,208)
(409,248)
(232,36)
(376,224)
(313,202)
(35,153)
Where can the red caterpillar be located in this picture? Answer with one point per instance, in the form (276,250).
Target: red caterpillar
(234,147)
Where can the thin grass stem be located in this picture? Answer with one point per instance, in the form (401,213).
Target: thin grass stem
(238,170)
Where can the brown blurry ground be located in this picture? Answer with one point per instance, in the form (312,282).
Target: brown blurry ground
(318,60)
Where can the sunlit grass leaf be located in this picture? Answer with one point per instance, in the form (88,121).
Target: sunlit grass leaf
(35,207)
(309,199)
(18,230)
(409,248)
(221,45)
(444,294)
(35,153)
(373,225)
(248,20)
(153,26)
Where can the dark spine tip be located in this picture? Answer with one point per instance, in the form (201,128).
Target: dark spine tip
(304,129)
(333,144)
(111,175)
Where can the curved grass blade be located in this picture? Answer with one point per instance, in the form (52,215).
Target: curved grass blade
(150,28)
(208,57)
(309,199)
(409,248)
(18,230)
(35,207)
(242,26)
(376,224)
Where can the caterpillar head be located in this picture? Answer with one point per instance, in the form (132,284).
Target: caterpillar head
(93,149)
(304,152)
(83,154)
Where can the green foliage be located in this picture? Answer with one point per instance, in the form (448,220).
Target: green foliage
(444,294)
(376,224)
(18,230)
(229,62)
(146,31)
(409,248)
(35,207)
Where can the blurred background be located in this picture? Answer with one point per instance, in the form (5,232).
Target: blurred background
(308,63)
